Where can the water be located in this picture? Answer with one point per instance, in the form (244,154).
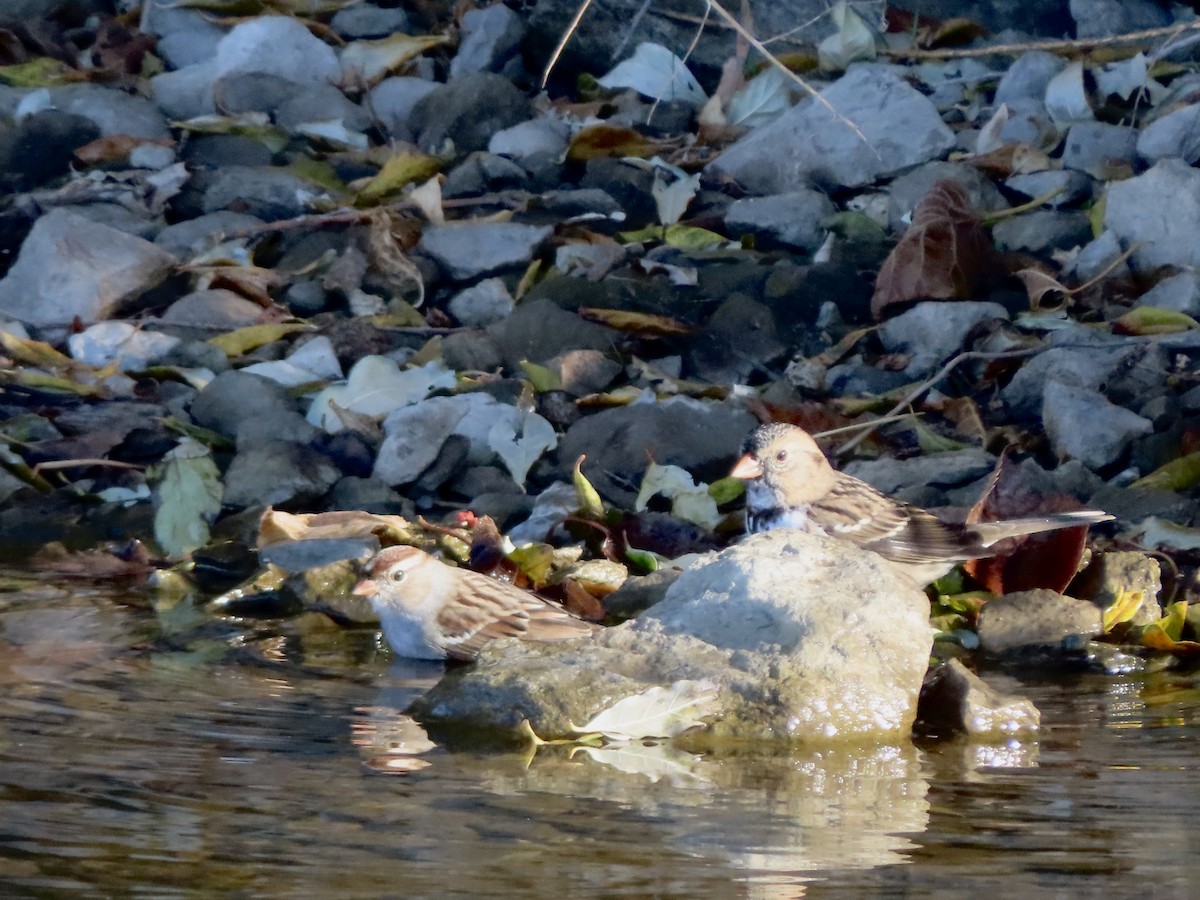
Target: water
(164,753)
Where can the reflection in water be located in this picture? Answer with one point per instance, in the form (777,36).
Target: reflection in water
(140,753)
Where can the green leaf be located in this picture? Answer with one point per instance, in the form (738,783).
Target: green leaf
(540,377)
(727,489)
(243,340)
(931,442)
(689,237)
(643,560)
(187,498)
(1152,320)
(536,562)
(1178,475)
(590,503)
(40,72)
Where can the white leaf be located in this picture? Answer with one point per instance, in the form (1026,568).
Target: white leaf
(672,198)
(429,198)
(519,453)
(656,72)
(688,500)
(377,386)
(764,98)
(658,762)
(989,137)
(656,712)
(1066,99)
(187,498)
(1157,532)
(853,41)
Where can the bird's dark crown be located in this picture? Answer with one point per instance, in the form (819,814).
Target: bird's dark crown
(762,436)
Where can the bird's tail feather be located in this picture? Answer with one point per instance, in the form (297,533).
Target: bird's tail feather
(991,532)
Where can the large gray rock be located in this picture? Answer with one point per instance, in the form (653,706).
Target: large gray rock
(463,115)
(490,38)
(796,218)
(471,249)
(538,330)
(932,331)
(1091,367)
(1028,76)
(113,111)
(806,639)
(902,129)
(701,437)
(232,397)
(1136,209)
(1175,134)
(1083,425)
(70,267)
(278,473)
(280,46)
(1037,620)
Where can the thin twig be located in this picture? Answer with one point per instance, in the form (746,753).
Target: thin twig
(874,423)
(926,385)
(1148,34)
(562,42)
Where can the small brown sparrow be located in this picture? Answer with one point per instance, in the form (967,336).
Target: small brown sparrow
(429,610)
(790,484)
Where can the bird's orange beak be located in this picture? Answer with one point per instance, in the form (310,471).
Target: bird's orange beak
(364,588)
(747,467)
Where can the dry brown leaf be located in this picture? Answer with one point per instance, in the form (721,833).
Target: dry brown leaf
(1012,159)
(277,525)
(597,141)
(1046,560)
(1039,285)
(944,254)
(385,249)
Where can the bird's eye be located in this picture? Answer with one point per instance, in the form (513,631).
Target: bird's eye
(781,456)
(397,576)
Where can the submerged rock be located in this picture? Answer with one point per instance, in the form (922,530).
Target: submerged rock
(807,639)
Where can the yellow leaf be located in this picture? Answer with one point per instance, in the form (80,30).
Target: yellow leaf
(40,72)
(1122,609)
(649,233)
(34,353)
(1151,320)
(535,561)
(589,498)
(540,377)
(399,171)
(1165,634)
(689,237)
(1178,475)
(637,322)
(243,340)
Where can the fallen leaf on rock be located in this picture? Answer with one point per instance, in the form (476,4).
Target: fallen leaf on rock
(1006,160)
(369,62)
(519,452)
(397,173)
(376,386)
(1181,474)
(1039,285)
(598,141)
(644,324)
(1158,532)
(1146,320)
(276,526)
(187,497)
(1123,608)
(689,500)
(662,712)
(657,73)
(1046,560)
(535,562)
(853,41)
(577,600)
(766,97)
(590,503)
(944,254)
(242,340)
(40,72)
(113,148)
(1166,634)
(254,125)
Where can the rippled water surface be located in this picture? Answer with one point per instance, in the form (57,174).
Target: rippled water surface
(147,749)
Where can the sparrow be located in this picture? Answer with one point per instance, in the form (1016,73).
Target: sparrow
(790,484)
(429,610)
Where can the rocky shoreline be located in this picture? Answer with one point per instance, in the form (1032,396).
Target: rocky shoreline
(363,262)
